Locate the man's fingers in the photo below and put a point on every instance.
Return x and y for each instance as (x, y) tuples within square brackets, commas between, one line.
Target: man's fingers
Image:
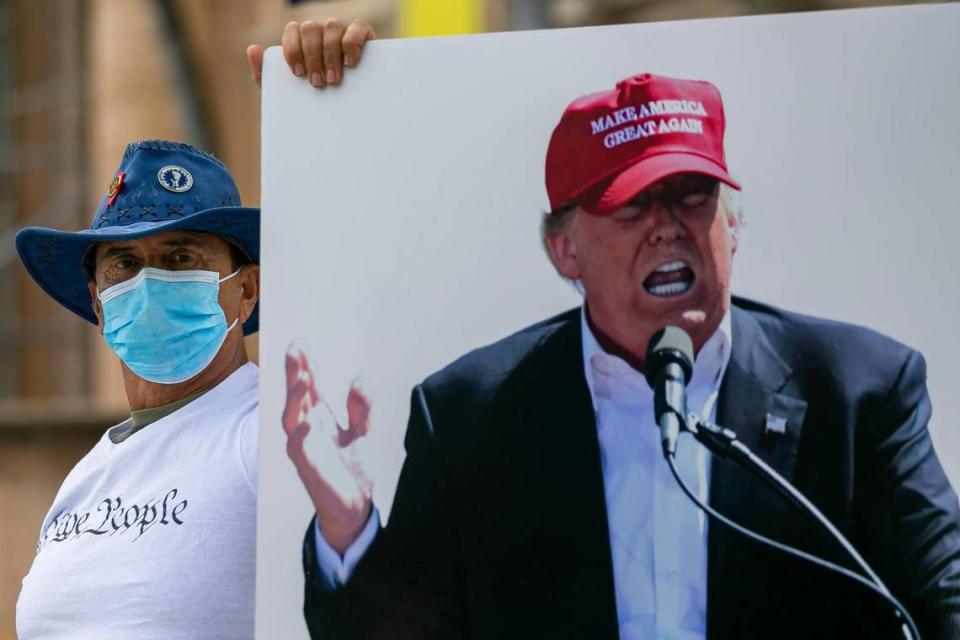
[(306, 372), (333, 30), (356, 34), (295, 439), (255, 57), (296, 406), (292, 49), (311, 41), (358, 409), (318, 51), (358, 415), (291, 365), (297, 367), (299, 371)]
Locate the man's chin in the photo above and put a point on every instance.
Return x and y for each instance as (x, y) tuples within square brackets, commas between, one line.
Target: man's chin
[(686, 316), (699, 323), (695, 321), (694, 317)]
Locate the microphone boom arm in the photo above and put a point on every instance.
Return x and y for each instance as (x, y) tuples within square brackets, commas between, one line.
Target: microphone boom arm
[(724, 443)]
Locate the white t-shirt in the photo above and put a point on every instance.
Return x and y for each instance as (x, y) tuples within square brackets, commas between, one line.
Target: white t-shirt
[(154, 537)]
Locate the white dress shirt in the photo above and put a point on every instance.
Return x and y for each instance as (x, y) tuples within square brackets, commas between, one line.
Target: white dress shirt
[(658, 538)]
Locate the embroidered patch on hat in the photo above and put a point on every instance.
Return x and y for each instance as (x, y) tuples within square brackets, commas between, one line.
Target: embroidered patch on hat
[(174, 178), (115, 185)]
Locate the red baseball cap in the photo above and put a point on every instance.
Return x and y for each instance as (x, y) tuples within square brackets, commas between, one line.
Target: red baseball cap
[(610, 146)]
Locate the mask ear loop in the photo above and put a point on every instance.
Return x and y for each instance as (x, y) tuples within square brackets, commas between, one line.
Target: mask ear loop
[(224, 279)]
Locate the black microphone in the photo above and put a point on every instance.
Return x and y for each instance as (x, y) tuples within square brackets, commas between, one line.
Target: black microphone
[(668, 366)]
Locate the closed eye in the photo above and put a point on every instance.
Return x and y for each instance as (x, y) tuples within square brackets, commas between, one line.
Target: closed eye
[(694, 199), (630, 213)]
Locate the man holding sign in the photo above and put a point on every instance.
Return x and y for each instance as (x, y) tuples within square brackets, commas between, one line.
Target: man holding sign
[(533, 501), (149, 536), (152, 534)]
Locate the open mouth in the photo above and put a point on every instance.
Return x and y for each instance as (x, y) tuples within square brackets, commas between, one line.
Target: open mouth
[(670, 279)]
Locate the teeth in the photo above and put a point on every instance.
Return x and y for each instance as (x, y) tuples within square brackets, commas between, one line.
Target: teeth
[(669, 289), (676, 265)]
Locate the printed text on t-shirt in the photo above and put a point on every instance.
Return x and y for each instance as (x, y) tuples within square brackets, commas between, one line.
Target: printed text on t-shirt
[(112, 516)]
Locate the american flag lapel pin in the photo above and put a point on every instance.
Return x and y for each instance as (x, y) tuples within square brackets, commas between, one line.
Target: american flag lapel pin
[(775, 424)]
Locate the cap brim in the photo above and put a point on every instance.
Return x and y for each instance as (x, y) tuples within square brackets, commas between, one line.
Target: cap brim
[(614, 193), (53, 258)]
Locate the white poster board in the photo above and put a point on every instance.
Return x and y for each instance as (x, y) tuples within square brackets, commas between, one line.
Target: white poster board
[(401, 210)]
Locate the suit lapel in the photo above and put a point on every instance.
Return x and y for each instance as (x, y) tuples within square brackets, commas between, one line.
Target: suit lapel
[(557, 415), (755, 403)]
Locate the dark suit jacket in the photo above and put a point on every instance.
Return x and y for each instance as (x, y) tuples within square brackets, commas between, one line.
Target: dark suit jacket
[(499, 525)]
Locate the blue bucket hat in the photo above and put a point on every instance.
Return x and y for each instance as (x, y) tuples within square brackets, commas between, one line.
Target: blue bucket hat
[(159, 186)]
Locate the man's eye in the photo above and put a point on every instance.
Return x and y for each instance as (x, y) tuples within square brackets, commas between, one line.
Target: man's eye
[(183, 258), (634, 209), (124, 263), (629, 213), (694, 199)]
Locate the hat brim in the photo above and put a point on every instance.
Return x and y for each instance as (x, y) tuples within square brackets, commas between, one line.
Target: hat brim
[(614, 193), (53, 258)]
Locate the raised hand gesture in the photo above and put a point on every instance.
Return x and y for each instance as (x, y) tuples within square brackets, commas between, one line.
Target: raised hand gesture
[(332, 472)]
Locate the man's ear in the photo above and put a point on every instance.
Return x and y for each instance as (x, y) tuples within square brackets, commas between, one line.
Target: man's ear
[(733, 228), (95, 303), (562, 247), (249, 278)]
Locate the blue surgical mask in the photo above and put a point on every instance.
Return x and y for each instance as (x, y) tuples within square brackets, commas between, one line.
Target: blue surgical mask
[(167, 326)]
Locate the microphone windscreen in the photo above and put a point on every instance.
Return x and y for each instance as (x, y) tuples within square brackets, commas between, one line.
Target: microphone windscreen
[(670, 344)]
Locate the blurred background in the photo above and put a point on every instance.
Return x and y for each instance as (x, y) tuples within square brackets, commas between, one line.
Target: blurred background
[(79, 79)]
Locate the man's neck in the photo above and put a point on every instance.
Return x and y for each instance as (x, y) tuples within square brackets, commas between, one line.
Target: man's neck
[(142, 394), (633, 350)]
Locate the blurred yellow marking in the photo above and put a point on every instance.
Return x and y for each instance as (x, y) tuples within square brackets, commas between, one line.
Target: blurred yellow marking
[(440, 17)]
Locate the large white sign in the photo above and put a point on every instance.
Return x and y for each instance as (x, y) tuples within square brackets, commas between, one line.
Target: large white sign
[(401, 210)]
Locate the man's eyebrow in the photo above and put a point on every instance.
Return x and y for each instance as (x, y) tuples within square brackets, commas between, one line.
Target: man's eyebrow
[(186, 241), (189, 240), (115, 250)]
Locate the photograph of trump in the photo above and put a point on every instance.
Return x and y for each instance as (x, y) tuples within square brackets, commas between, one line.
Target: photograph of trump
[(534, 500)]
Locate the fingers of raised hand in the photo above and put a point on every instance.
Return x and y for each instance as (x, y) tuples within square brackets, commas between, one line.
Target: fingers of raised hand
[(350, 439), (311, 42), (297, 407), (358, 410), (255, 58), (356, 34), (295, 439), (358, 415), (292, 49), (306, 374), (319, 51), (291, 365), (298, 368), (302, 394), (333, 30)]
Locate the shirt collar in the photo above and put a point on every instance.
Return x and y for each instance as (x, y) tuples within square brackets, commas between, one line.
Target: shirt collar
[(708, 369)]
